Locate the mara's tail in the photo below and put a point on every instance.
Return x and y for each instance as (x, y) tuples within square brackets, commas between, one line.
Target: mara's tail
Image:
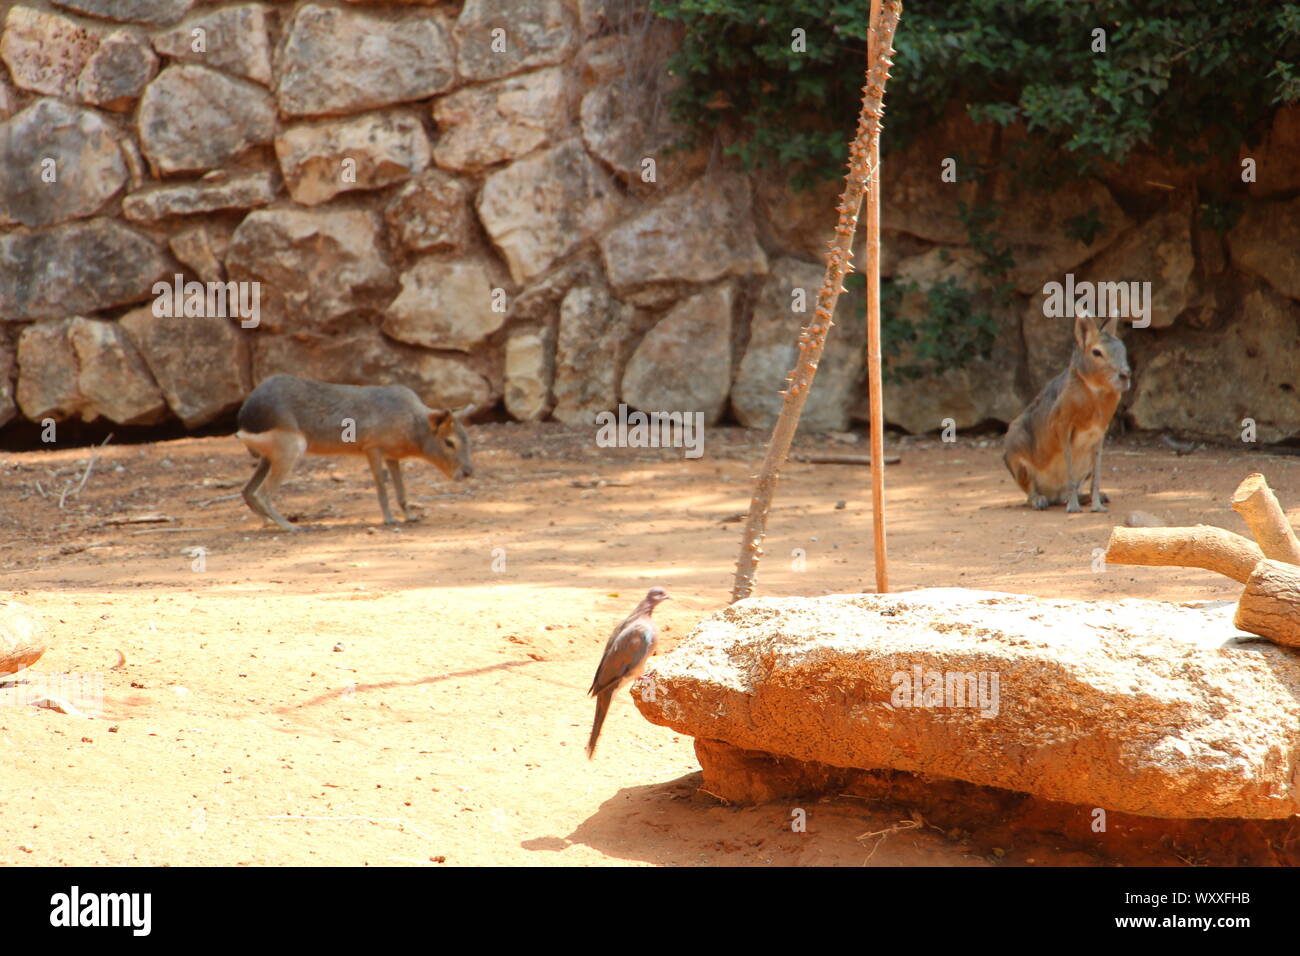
[(602, 708)]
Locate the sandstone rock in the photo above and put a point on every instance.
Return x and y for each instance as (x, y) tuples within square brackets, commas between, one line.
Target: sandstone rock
[(79, 267), (22, 637), (593, 331), (1205, 383), (235, 39), (199, 362), (341, 61), (45, 51), (1034, 226), (432, 213), (1049, 343), (495, 38), (88, 166), (773, 350), (322, 159), (980, 390), (184, 107), (186, 199), (626, 125), (119, 69), (113, 377), (8, 370), (154, 12), (541, 208), (1160, 252), (315, 265), (530, 369), (48, 373), (540, 302), (684, 363), (918, 201), (363, 356), (484, 125), (601, 16), (1210, 729), (445, 305), (1277, 161), (703, 233), (202, 249), (1260, 241)]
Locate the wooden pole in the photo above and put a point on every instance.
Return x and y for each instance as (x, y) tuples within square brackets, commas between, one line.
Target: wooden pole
[(874, 387), (812, 339)]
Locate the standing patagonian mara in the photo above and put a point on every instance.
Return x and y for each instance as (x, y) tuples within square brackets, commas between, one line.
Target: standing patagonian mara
[(625, 657)]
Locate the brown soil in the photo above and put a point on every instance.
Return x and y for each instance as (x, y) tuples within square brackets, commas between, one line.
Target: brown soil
[(357, 694)]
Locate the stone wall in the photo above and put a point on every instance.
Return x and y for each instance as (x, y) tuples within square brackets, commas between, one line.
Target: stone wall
[(479, 200)]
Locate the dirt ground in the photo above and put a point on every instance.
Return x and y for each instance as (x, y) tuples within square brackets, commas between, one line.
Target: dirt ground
[(416, 695)]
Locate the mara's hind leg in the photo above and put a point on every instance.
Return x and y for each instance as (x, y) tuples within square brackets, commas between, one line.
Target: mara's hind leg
[(376, 459), (254, 483), (287, 449), (395, 471)]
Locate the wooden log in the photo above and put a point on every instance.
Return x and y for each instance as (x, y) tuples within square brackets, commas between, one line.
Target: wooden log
[(1204, 546), (1254, 500), (1270, 605), (21, 638)]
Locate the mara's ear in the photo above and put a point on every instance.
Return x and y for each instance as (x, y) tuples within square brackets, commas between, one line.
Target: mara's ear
[(437, 417), (464, 413), (1084, 331), (1110, 326)]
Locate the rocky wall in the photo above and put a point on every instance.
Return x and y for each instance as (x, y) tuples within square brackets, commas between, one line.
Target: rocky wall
[(480, 200)]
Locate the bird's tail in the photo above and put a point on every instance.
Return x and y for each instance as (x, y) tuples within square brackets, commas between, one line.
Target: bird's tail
[(602, 707)]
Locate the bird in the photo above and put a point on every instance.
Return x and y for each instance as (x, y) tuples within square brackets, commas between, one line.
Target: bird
[(625, 657)]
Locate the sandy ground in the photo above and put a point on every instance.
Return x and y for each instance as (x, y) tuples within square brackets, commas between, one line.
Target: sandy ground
[(357, 694)]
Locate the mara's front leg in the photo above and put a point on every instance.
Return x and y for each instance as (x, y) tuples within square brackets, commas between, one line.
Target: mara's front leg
[(1071, 482), (1098, 499)]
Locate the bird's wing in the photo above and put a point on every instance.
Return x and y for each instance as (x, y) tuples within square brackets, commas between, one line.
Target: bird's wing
[(625, 652)]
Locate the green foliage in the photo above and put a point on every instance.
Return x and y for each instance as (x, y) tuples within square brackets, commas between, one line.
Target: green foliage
[(954, 331), (1190, 75)]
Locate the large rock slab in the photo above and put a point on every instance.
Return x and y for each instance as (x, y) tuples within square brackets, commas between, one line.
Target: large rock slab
[(199, 362), (542, 207), (193, 119), (322, 159), (480, 126), (1262, 240), (432, 213), (774, 347), (152, 12), (112, 376), (234, 39), (530, 370), (342, 61), (1206, 384), (114, 77), (445, 305), (498, 37), (1277, 160), (45, 51), (315, 265), (186, 199), (1158, 251), (76, 268), (48, 374), (591, 339), (701, 234), (684, 363), (1137, 706), (88, 164), (22, 637), (362, 355)]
